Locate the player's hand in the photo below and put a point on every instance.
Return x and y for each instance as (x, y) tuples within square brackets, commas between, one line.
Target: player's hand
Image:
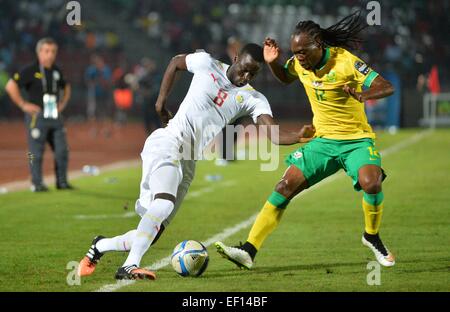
[(271, 50), (306, 133), (30, 108), (165, 115), (352, 92), (61, 107)]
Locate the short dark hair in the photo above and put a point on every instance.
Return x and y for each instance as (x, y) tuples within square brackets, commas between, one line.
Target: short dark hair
[(45, 40), (254, 50)]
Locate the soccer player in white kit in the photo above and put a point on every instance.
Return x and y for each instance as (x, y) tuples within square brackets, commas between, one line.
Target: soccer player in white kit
[(218, 95)]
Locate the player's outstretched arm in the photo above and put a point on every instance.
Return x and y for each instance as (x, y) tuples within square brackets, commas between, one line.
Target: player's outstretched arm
[(178, 63), (13, 91), (379, 88), (282, 137), (271, 55)]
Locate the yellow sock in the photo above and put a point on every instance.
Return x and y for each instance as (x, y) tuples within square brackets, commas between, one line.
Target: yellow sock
[(265, 223), (372, 216)]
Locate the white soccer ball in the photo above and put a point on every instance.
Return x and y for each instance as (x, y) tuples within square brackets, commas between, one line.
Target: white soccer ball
[(190, 258)]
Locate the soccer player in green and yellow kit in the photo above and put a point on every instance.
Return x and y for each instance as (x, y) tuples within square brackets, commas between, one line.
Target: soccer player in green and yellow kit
[(337, 83)]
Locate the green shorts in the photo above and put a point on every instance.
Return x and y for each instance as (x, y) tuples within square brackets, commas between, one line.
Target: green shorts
[(321, 158)]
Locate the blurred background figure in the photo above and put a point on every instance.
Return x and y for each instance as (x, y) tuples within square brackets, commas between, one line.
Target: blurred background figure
[(98, 77), (122, 94), (233, 47), (123, 99), (429, 81), (43, 82), (408, 43), (5, 108), (149, 79)]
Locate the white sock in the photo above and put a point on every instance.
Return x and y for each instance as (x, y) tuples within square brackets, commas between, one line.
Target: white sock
[(147, 229), (117, 243)]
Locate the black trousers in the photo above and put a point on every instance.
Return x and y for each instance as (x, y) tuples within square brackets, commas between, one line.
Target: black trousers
[(39, 132), (151, 119)]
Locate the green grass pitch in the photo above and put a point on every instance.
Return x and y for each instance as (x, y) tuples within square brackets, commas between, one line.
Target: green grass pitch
[(316, 247)]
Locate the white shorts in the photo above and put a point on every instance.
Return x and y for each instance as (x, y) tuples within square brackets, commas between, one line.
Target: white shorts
[(161, 149)]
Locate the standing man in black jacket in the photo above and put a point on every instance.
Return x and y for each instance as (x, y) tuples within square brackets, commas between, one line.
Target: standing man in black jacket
[(43, 81)]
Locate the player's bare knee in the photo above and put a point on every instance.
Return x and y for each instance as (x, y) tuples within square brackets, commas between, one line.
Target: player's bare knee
[(371, 185), (285, 188)]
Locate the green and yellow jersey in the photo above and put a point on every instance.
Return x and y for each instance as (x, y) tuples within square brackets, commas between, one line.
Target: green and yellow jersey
[(337, 115)]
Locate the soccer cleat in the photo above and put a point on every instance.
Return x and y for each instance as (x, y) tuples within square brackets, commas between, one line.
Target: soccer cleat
[(236, 255), (38, 188), (133, 272), (64, 186), (88, 263), (382, 254)]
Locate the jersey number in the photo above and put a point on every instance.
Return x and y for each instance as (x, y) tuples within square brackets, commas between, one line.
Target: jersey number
[(373, 152), (220, 98)]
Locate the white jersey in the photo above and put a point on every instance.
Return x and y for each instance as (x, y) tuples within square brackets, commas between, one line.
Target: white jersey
[(212, 102)]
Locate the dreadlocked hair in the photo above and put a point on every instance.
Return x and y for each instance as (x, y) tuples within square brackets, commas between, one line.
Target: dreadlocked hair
[(344, 34)]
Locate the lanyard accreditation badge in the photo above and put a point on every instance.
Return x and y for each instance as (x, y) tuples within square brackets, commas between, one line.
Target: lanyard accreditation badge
[(49, 98)]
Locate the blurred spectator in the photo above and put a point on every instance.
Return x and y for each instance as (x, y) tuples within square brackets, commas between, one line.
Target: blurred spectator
[(233, 47), (90, 40), (149, 80), (98, 78), (4, 102), (43, 82), (123, 95), (411, 37), (433, 81), (430, 81)]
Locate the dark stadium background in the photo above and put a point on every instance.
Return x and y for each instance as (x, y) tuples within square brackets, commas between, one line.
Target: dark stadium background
[(411, 39), (136, 39)]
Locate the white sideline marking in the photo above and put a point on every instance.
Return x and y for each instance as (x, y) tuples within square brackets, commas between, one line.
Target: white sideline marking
[(166, 261), (74, 174), (197, 193), (411, 140), (230, 231), (105, 216), (209, 189)]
